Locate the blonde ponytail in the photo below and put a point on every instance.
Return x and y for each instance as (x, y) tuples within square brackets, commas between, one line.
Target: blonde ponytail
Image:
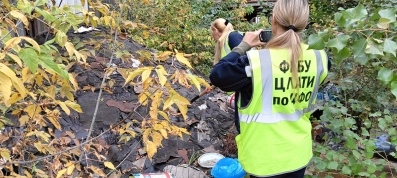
[(292, 15), (225, 28)]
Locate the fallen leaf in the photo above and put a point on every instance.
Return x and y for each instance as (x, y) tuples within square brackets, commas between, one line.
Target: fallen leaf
[(183, 153), (140, 162), (210, 149), (123, 106)]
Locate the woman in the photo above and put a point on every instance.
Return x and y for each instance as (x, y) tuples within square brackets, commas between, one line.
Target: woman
[(277, 87), (226, 39), (225, 36)]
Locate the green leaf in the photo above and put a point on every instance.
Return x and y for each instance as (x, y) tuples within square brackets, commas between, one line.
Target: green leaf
[(333, 165), (339, 19), (392, 131), (390, 46), (385, 75), (341, 55), (30, 58), (356, 13), (388, 13), (362, 59), (316, 41), (48, 63), (358, 47), (364, 132), (383, 23), (356, 154), (394, 88), (321, 165), (346, 170), (349, 122), (339, 42), (373, 48)]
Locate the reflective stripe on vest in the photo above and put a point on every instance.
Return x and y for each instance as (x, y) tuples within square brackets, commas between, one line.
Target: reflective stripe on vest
[(275, 128)]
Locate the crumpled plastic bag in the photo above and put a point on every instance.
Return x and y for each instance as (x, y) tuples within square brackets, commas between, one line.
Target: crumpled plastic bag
[(228, 168)]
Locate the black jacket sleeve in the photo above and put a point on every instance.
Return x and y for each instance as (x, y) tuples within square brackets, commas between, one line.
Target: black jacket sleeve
[(229, 74)]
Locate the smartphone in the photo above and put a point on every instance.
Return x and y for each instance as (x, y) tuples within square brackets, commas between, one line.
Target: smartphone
[(265, 36)]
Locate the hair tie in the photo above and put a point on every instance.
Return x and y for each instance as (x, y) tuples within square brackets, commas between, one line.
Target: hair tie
[(291, 27), (226, 22)]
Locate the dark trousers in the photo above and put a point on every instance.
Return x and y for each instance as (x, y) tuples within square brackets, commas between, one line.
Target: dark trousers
[(297, 174)]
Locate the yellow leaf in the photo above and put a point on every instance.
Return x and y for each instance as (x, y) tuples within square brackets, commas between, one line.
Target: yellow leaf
[(23, 120), (194, 81), (27, 174), (164, 133), (61, 38), (131, 76), (202, 81), (74, 106), (164, 115), (164, 55), (183, 109), (15, 58), (70, 48), (143, 98), (158, 127), (26, 74), (5, 153), (146, 74), (51, 91), (97, 171), (162, 78), (7, 5), (82, 2), (157, 138), (182, 59), (109, 165), (61, 172), (178, 99), (74, 82), (64, 107), (32, 42), (32, 110), (5, 88), (70, 169), (12, 24), (168, 103), (17, 83), (20, 16), (146, 1), (11, 43), (14, 98), (151, 149)]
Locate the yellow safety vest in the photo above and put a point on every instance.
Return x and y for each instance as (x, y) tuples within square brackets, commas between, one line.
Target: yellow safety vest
[(275, 128)]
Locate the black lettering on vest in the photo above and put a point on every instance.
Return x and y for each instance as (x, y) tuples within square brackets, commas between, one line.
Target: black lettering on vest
[(284, 66), (301, 97), (310, 81), (276, 100), (307, 63), (308, 95), (302, 81), (293, 97), (281, 85), (284, 101), (289, 83), (301, 68)]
